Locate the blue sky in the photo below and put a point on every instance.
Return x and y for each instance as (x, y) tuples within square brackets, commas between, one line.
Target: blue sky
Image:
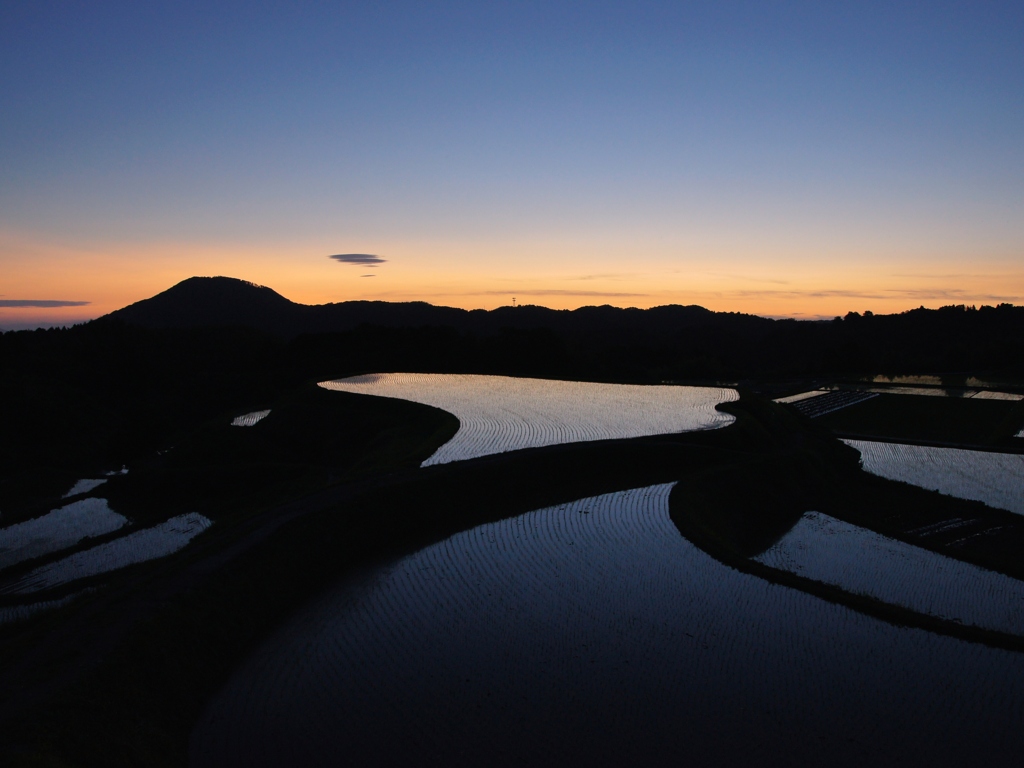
[(754, 156)]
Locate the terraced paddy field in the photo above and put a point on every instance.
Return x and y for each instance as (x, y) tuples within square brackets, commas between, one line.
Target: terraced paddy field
[(863, 562), (592, 633), (250, 419), (996, 479), (59, 529), (138, 547), (500, 413)]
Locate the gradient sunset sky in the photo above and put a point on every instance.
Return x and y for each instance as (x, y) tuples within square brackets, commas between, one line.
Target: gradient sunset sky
[(782, 158)]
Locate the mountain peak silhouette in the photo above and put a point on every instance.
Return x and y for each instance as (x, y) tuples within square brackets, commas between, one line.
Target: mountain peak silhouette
[(213, 301)]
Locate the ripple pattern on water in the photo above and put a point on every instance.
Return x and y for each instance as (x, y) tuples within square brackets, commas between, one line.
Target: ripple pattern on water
[(594, 634), (501, 413), (250, 419), (857, 560), (148, 544), (57, 530), (997, 479)]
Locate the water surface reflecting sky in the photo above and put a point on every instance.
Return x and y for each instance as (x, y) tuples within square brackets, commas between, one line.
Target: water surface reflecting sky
[(593, 634)]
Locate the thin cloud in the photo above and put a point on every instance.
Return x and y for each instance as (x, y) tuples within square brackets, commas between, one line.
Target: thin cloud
[(954, 294), (41, 303), (796, 316), (358, 259), (574, 278), (555, 292), (605, 276), (932, 276), (814, 294), (943, 294), (773, 281), (367, 275)]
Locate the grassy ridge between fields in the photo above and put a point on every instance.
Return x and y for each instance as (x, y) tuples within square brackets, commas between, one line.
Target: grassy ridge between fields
[(138, 704)]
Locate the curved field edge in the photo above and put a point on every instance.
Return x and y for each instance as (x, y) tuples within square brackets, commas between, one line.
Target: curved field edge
[(498, 414), (138, 706), (996, 479), (711, 511), (822, 548)]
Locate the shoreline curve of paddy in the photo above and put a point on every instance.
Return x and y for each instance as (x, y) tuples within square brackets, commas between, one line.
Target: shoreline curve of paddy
[(498, 414)]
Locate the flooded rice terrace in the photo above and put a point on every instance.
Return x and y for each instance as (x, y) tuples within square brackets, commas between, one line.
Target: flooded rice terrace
[(593, 633), (501, 413), (863, 562), (147, 544), (997, 479), (57, 530)]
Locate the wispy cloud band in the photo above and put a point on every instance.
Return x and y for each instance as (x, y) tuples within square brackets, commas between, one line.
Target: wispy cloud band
[(941, 294), (557, 292), (41, 303)]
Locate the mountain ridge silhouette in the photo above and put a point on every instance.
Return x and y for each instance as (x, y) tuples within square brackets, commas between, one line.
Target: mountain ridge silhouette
[(605, 341), (227, 301)]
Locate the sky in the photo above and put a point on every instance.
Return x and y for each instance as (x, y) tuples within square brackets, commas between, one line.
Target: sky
[(789, 159)]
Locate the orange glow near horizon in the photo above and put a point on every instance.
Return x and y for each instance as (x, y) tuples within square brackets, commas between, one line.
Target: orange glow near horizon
[(561, 156), (478, 275)]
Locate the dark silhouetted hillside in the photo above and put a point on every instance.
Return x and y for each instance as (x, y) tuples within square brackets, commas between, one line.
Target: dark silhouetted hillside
[(611, 343), (214, 302), (224, 301)]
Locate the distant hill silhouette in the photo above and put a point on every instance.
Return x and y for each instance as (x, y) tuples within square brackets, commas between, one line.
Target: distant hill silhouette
[(605, 342), (214, 301), (224, 301), (598, 343)]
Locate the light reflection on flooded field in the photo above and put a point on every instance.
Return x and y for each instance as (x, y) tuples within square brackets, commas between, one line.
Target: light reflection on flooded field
[(997, 479), (147, 544), (503, 413), (863, 562), (57, 530), (593, 633)]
